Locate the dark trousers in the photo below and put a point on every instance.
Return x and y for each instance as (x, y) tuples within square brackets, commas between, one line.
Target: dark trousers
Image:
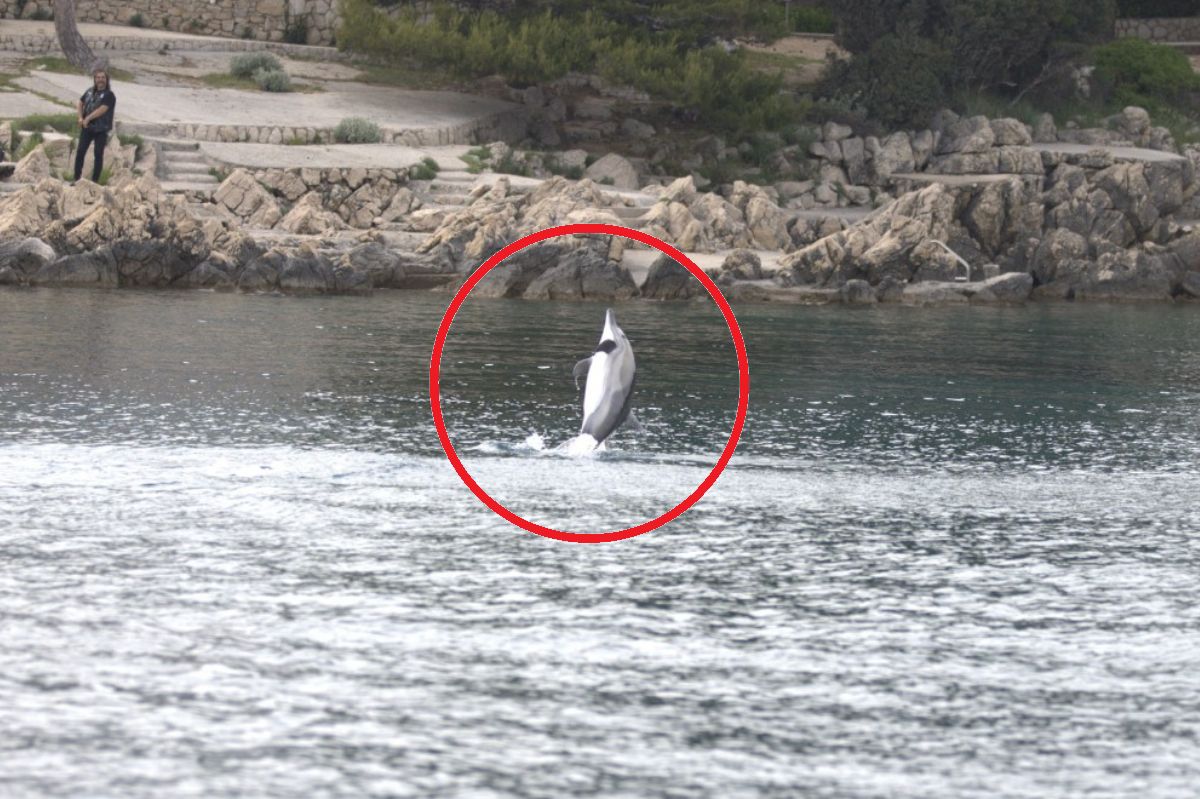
[(86, 137)]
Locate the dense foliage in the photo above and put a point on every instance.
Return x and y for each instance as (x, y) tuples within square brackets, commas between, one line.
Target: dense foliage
[(910, 55), (714, 85), (1137, 72), (1158, 8), (689, 20)]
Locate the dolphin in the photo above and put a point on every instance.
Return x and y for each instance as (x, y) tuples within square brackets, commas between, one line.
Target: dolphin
[(611, 373)]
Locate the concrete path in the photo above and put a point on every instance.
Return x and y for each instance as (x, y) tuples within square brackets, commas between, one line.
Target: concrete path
[(396, 109), (1119, 153), (331, 156)]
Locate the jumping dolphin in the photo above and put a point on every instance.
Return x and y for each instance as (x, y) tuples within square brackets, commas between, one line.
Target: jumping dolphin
[(611, 373)]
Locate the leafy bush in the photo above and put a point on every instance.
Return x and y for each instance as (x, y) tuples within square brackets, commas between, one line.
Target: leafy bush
[(247, 32), (811, 19), (527, 48), (273, 80), (136, 140), (913, 54), (246, 64), (1137, 71), (63, 123), (40, 14), (1158, 8), (29, 144), (137, 20), (427, 169), (356, 130)]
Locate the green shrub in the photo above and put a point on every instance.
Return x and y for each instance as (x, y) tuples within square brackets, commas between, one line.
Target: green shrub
[(247, 32), (40, 14), (246, 64), (273, 80), (425, 170), (136, 140), (712, 85), (811, 19), (29, 144), (1137, 72), (1158, 8), (509, 165), (137, 20), (63, 123), (356, 130), (901, 80)]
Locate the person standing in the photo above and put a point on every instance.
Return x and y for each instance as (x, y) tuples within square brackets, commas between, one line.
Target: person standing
[(96, 108)]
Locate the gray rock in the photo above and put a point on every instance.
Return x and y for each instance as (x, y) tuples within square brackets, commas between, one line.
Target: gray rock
[(1044, 129), (1059, 247), (857, 292), (637, 130), (741, 265), (218, 271), (669, 280), (26, 255), (927, 294), (1133, 123), (1011, 132), (616, 169), (854, 156), (1016, 160), (96, 268), (973, 135), (895, 155), (1190, 284), (923, 145), (836, 132), (1013, 287)]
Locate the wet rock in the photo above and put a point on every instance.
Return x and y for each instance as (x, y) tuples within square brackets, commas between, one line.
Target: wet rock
[(1190, 284), (858, 292), (218, 272), (741, 265), (25, 256), (670, 280), (95, 268)]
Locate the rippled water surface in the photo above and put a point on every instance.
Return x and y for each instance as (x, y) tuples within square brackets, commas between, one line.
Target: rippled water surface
[(955, 554)]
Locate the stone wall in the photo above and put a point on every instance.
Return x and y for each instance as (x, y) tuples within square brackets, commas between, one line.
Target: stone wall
[(1183, 29), (258, 19)]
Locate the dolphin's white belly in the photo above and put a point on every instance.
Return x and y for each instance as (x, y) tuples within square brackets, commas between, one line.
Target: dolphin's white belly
[(599, 383)]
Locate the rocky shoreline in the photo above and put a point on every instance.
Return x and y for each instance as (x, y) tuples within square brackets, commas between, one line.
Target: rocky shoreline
[(973, 212)]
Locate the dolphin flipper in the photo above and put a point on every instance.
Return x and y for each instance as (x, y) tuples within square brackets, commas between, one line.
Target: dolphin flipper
[(634, 423), (581, 369)]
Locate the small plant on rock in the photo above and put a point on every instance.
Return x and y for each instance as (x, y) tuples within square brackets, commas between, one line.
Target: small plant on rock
[(245, 65), (427, 169), (273, 80), (356, 130), (137, 21)]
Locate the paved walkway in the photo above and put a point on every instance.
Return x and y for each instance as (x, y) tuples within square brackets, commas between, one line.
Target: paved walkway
[(395, 110)]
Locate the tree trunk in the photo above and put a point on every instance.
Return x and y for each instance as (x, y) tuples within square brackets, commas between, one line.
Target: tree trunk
[(73, 46)]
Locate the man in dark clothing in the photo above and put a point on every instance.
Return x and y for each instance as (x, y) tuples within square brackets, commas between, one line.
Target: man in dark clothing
[(96, 108)]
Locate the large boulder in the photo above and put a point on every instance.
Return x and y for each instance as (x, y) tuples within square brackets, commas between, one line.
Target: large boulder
[(244, 197), (308, 217), (368, 202), (96, 268), (583, 273), (614, 170), (29, 210), (669, 280), (33, 168), (895, 154), (25, 256), (967, 135), (1011, 132)]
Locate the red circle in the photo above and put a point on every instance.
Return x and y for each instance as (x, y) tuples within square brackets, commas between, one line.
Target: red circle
[(435, 370)]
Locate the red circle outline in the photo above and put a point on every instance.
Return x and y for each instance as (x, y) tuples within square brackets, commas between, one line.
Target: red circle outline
[(435, 369)]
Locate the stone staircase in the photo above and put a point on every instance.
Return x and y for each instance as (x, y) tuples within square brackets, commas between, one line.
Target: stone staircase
[(182, 168)]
